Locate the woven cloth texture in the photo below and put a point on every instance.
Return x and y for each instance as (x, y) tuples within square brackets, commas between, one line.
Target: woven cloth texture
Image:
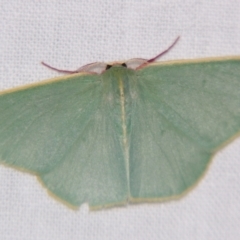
[(69, 34)]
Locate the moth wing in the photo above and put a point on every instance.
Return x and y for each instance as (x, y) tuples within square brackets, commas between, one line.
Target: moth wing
[(182, 113), (63, 132)]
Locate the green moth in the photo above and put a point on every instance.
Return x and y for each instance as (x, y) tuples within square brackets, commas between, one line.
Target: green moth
[(135, 132)]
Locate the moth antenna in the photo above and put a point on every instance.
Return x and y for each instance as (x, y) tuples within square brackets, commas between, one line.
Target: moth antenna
[(164, 52), (58, 70)]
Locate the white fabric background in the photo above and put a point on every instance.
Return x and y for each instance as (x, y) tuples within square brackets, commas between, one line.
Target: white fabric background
[(68, 34)]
